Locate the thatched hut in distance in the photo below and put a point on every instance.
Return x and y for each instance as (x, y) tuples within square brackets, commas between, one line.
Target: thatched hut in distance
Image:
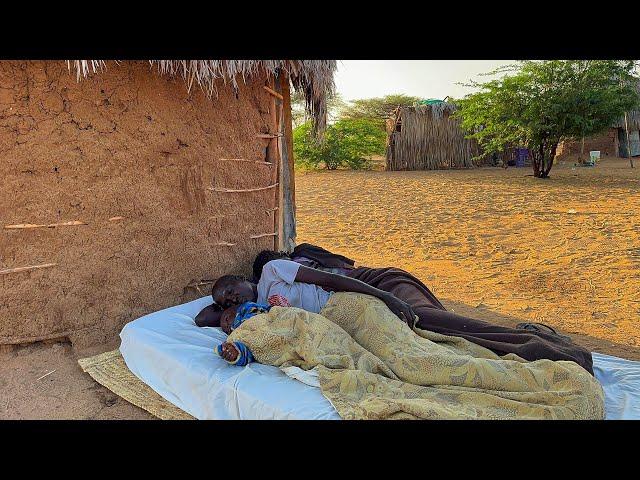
[(426, 137), (126, 187)]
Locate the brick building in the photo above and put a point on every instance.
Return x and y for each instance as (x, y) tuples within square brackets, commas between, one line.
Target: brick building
[(612, 142)]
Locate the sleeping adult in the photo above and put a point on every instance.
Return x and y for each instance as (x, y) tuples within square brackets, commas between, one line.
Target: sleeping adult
[(310, 256), (302, 287), (404, 294), (527, 340)]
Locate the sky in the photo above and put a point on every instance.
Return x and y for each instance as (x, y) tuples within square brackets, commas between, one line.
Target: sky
[(421, 78)]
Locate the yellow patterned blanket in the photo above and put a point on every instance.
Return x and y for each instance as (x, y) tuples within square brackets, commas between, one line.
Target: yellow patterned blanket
[(372, 366)]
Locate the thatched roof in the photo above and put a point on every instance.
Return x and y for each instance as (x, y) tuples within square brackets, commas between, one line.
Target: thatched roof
[(426, 137), (313, 77), (633, 117), (436, 110)]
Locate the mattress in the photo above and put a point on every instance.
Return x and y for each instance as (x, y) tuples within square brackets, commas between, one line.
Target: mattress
[(176, 358)]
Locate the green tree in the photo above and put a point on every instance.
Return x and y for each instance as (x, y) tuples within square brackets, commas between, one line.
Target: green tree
[(347, 143), (377, 109), (537, 104)]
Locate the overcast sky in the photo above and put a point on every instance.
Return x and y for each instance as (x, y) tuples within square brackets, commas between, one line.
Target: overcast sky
[(421, 78)]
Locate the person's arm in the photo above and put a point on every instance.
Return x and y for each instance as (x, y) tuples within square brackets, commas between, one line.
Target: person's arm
[(235, 353), (340, 283), (209, 317)]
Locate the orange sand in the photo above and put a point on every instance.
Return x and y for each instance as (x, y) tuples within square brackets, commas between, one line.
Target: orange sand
[(498, 240)]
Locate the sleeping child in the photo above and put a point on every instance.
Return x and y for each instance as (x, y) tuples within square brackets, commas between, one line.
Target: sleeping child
[(228, 320), (237, 353)]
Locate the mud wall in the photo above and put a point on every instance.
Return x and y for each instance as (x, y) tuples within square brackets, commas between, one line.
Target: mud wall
[(606, 142), (131, 154)]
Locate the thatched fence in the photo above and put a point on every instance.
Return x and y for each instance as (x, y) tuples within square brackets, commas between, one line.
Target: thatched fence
[(427, 137)]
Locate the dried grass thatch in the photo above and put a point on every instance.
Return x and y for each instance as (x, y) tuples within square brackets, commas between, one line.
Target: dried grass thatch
[(313, 77), (633, 117), (426, 137)]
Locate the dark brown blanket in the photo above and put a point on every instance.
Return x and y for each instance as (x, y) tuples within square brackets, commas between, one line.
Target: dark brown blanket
[(500, 340), (325, 258)]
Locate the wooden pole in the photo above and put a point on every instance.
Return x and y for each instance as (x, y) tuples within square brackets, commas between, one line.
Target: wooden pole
[(626, 128), (288, 168), (281, 166), (274, 156)]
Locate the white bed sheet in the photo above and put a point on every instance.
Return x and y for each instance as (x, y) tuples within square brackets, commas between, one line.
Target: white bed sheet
[(168, 352)]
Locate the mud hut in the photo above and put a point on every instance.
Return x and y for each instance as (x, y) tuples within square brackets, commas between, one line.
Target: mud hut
[(612, 141), (128, 186), (427, 137)]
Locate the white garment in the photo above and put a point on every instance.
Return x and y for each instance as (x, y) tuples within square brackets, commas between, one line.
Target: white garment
[(278, 278)]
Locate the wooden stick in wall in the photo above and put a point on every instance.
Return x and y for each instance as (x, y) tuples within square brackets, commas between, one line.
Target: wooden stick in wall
[(231, 190), (20, 226), (244, 160), (26, 269), (273, 92), (19, 340), (268, 135), (202, 282), (264, 235)]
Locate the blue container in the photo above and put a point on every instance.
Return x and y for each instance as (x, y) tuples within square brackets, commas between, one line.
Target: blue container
[(521, 156)]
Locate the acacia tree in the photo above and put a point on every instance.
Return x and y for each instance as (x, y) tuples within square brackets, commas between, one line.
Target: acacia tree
[(537, 104), (377, 109)]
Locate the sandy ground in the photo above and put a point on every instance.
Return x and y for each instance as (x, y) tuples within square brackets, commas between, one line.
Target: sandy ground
[(67, 393), (564, 251), (491, 243)]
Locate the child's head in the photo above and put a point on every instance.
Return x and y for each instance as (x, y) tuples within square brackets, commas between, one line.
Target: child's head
[(227, 318), (237, 314)]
